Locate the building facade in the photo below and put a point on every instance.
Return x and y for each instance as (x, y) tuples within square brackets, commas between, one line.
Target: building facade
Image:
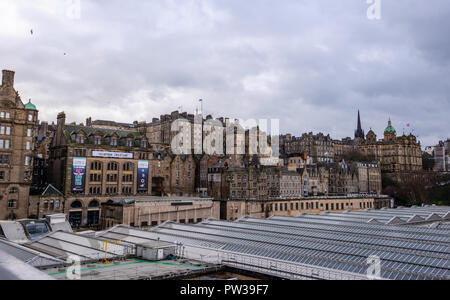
[(91, 165), (18, 125), (396, 154), (442, 156)]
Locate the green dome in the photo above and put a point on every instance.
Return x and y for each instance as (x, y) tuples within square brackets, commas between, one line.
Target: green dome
[(389, 128), (30, 105)]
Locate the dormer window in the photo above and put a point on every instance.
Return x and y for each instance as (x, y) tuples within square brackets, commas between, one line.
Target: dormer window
[(129, 143), (113, 142), (98, 140), (80, 139), (144, 144)]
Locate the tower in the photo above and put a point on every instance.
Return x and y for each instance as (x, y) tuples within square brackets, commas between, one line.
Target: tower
[(17, 131), (359, 133)]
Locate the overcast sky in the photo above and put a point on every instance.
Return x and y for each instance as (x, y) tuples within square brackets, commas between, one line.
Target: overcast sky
[(312, 64)]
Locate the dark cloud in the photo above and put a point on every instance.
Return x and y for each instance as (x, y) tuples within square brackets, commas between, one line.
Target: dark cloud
[(312, 64)]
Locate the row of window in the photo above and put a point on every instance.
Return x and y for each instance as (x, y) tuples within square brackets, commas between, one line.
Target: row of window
[(315, 205), (80, 139), (182, 221), (111, 166), (7, 115)]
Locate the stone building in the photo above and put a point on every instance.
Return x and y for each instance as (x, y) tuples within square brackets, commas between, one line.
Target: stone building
[(315, 180), (43, 140), (396, 154), (235, 209), (91, 165), (442, 156), (145, 212), (182, 175), (318, 146), (18, 125), (358, 178), (343, 179)]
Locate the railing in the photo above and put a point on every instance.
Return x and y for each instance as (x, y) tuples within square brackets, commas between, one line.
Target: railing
[(268, 266)]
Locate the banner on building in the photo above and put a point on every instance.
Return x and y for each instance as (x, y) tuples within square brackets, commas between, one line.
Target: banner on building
[(78, 174), (142, 176), (112, 154)]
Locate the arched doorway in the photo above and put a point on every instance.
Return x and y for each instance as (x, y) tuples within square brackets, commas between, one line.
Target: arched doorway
[(93, 216), (76, 213)]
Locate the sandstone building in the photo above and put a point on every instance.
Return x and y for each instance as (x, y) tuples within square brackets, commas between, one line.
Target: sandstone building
[(18, 124), (396, 154), (91, 165)]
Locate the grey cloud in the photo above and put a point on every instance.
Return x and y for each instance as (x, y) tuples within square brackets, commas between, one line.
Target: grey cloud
[(311, 64)]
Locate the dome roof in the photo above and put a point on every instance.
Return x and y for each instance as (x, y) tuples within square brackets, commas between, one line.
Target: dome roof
[(389, 128), (30, 105)]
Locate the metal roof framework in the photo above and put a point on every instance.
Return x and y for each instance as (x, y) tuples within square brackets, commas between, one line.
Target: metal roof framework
[(311, 241)]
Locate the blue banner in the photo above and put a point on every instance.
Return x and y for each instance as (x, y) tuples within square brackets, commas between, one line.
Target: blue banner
[(142, 176), (78, 175)]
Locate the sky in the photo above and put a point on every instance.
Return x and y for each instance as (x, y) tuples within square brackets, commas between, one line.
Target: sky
[(309, 63)]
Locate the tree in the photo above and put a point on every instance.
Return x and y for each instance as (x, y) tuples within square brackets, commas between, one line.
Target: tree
[(428, 162)]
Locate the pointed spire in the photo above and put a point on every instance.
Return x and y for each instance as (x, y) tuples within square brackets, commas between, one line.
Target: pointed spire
[(359, 133), (359, 121)]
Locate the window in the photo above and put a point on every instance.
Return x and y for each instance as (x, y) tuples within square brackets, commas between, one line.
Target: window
[(27, 160), (127, 190), (94, 203), (95, 190), (128, 167), (98, 141), (30, 117), (4, 159), (28, 146), (76, 204), (97, 166), (79, 152), (13, 190), (95, 177), (129, 143), (29, 132), (12, 203), (112, 166), (113, 142), (2, 175), (80, 139)]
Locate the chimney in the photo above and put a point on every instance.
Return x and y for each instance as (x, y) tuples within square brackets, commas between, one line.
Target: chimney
[(61, 119), (8, 78)]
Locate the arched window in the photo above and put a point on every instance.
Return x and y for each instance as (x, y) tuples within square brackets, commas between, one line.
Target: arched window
[(96, 165), (94, 203), (13, 190), (76, 204), (112, 166), (128, 167)]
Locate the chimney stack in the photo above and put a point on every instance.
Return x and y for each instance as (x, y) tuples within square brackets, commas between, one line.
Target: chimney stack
[(8, 78)]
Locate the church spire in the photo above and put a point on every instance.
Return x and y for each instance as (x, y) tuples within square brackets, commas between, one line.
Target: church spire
[(359, 133)]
